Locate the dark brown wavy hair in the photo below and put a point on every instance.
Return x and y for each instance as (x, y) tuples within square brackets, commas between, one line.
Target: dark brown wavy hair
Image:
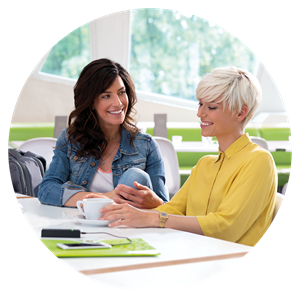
[(83, 123)]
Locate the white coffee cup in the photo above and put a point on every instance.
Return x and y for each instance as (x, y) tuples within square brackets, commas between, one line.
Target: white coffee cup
[(91, 207), (176, 139)]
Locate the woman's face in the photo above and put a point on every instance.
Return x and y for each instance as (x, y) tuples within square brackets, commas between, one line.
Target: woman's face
[(111, 106), (215, 121)]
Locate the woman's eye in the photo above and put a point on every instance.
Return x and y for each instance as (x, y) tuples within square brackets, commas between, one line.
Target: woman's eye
[(209, 107), (105, 96)]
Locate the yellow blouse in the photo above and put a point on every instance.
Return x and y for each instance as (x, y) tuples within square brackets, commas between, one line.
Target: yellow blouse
[(232, 194)]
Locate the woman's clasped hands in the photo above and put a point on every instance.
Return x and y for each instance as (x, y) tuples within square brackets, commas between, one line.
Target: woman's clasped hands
[(128, 206), (141, 197)]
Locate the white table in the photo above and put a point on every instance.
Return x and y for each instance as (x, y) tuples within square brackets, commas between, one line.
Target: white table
[(180, 251), (214, 146)]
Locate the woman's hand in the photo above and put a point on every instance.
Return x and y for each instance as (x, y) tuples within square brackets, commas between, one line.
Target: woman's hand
[(128, 215), (143, 197), (110, 195)]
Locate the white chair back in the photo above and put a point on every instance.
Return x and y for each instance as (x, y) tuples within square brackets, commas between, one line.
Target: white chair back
[(278, 201), (259, 141), (43, 146), (171, 164), (284, 188)]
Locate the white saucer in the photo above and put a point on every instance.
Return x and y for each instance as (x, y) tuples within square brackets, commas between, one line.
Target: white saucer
[(82, 220)]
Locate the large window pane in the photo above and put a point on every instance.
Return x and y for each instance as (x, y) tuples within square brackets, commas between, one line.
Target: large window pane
[(68, 57), (170, 52)]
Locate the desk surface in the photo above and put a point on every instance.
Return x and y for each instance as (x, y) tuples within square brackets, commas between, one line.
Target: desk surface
[(177, 248), (214, 146)]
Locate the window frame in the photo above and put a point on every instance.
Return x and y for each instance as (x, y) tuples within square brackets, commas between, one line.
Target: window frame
[(116, 38)]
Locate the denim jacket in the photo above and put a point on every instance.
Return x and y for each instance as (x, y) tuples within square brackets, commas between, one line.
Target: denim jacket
[(69, 174)]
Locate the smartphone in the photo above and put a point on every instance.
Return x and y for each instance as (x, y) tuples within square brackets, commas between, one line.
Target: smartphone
[(83, 246)]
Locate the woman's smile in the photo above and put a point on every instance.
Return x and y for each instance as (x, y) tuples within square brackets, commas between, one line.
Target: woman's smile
[(205, 124), (116, 112)]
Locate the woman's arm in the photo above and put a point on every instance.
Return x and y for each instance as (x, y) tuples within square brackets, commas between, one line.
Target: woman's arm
[(184, 223), (55, 181), (133, 217), (56, 189), (248, 203)]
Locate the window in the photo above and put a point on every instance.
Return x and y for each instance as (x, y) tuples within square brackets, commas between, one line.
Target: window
[(170, 52), (68, 57)]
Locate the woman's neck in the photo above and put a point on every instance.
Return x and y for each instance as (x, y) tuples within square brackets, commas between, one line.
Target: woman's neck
[(112, 133), (225, 142)]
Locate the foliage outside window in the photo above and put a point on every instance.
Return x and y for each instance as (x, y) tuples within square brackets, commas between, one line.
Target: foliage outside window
[(68, 57), (170, 52)]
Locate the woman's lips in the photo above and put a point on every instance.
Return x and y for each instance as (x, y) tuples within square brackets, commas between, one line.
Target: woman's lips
[(116, 112), (205, 124)]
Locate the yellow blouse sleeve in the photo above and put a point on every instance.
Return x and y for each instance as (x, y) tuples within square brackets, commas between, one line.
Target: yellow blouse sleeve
[(177, 205), (250, 196)]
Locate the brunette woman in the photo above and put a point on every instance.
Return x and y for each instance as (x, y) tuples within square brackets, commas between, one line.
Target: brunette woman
[(102, 147)]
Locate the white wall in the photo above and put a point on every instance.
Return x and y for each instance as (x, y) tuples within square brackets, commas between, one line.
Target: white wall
[(271, 99), (114, 30), (41, 101)]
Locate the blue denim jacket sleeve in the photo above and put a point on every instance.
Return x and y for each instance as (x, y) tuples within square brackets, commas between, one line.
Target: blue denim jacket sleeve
[(55, 188)]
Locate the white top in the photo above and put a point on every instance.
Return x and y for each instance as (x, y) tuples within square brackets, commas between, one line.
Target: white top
[(102, 182)]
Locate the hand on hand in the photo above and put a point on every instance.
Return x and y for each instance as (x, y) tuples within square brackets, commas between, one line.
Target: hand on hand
[(95, 195), (109, 195), (128, 215), (142, 197)]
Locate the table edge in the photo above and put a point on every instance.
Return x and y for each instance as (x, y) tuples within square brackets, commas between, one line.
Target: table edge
[(162, 264)]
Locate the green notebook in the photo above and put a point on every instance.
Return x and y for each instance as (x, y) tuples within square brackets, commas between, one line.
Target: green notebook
[(138, 247)]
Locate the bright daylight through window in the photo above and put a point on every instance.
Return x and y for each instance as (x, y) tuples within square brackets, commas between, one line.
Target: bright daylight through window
[(170, 52), (69, 56)]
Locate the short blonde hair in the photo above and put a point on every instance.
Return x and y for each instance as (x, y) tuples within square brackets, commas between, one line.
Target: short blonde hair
[(234, 87)]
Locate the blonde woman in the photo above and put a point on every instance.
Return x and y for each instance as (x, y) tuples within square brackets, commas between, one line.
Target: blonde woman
[(228, 196)]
